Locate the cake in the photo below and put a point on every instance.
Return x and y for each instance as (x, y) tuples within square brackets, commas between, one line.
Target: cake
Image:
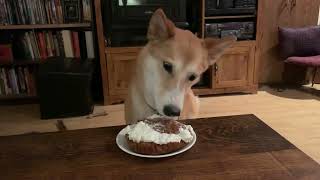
[(158, 136)]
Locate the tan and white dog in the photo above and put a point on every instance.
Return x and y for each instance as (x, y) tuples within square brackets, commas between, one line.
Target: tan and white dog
[(166, 69)]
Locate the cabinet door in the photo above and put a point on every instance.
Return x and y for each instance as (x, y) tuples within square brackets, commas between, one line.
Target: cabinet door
[(120, 66), (234, 68)]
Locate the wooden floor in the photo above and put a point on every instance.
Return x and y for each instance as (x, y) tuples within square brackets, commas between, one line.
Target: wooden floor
[(292, 113)]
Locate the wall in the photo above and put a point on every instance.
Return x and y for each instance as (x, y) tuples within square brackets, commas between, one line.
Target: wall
[(272, 14)]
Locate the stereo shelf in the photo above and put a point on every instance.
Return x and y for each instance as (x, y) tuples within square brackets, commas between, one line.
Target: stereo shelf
[(230, 17)]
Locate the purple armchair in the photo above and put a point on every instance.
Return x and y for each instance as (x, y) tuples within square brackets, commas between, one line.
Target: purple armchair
[(301, 46)]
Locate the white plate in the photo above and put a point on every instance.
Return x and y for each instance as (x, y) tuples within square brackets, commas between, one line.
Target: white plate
[(123, 145)]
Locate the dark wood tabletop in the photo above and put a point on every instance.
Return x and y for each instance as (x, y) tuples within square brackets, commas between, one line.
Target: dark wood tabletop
[(233, 147)]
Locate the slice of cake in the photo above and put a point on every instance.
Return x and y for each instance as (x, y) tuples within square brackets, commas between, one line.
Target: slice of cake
[(158, 136)]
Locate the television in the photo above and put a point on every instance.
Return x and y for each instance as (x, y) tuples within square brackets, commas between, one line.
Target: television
[(126, 21)]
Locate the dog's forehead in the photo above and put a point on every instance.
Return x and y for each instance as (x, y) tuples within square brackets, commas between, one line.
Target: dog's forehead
[(187, 45), (189, 50)]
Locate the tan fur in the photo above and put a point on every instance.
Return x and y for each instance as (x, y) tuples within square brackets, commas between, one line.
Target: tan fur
[(152, 87)]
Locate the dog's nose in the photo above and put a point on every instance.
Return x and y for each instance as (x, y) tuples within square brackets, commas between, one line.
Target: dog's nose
[(171, 110)]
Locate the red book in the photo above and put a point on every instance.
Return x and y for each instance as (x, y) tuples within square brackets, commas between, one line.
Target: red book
[(75, 44), (42, 45), (6, 53)]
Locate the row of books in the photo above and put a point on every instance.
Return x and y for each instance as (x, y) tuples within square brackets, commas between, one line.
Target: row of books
[(17, 81), (44, 11), (47, 44)]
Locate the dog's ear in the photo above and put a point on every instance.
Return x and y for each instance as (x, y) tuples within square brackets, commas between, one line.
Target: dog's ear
[(217, 46), (160, 28)]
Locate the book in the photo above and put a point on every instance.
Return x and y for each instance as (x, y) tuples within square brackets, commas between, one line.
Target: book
[(89, 44), (67, 43), (56, 45), (54, 11), (82, 43), (28, 39), (6, 55), (86, 7), (59, 11), (47, 8), (7, 83), (61, 44), (34, 45), (24, 44), (21, 82), (48, 44), (75, 44), (25, 72), (71, 11), (13, 81), (2, 83), (31, 82), (42, 45), (3, 12)]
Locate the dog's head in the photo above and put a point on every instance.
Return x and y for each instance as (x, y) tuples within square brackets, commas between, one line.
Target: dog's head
[(177, 59)]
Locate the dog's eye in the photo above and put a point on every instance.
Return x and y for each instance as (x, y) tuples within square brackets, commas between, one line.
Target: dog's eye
[(192, 77), (168, 67)]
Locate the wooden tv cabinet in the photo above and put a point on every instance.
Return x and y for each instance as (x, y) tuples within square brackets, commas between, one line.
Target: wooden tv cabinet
[(234, 73)]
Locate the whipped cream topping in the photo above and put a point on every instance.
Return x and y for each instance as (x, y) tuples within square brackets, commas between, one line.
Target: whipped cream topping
[(142, 132)]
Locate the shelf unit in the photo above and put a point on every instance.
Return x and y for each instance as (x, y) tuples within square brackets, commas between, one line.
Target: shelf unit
[(229, 17), (22, 98), (21, 62), (117, 63), (45, 26)]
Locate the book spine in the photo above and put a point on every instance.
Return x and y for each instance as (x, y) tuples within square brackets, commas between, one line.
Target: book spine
[(86, 6), (82, 43), (75, 43), (30, 6), (21, 12), (3, 19), (46, 5), (61, 44), (2, 82), (60, 11), (67, 43), (29, 44), (36, 8), (54, 12), (25, 12), (7, 12), (43, 12), (25, 71), (13, 81), (31, 80), (34, 45), (6, 55), (51, 42), (20, 81), (25, 47), (89, 44), (42, 45), (8, 82), (48, 44), (56, 45)]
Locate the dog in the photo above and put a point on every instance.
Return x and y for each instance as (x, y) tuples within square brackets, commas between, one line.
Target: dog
[(167, 67)]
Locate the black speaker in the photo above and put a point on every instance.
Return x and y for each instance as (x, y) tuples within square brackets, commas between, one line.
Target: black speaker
[(64, 87)]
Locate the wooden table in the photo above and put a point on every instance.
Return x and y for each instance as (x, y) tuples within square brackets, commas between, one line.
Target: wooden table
[(235, 147)]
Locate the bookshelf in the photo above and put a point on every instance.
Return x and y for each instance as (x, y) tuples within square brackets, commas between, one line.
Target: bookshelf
[(31, 34), (44, 26)]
